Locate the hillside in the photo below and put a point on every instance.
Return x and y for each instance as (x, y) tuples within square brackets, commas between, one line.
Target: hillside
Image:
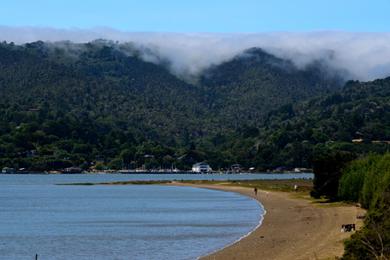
[(101, 82), (73, 109), (355, 119), (76, 104), (253, 83)]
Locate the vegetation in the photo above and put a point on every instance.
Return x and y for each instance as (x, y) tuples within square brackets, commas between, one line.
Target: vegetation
[(365, 181), (327, 173), (368, 181), (249, 86), (354, 119), (100, 105)]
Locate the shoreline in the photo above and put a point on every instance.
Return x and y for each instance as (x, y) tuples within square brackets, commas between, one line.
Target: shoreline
[(291, 228), (242, 237)]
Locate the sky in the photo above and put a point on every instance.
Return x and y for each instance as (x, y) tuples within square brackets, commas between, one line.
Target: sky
[(223, 16)]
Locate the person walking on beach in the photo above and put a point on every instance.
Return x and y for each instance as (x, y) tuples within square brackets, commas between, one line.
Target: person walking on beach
[(255, 190)]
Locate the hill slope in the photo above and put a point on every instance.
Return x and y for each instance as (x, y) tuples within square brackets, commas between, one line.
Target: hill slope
[(73, 104), (245, 88), (355, 119), (96, 104)]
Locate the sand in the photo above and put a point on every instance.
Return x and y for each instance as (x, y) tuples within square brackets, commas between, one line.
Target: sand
[(293, 228)]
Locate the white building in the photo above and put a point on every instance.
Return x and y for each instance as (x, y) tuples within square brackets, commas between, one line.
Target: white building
[(201, 167)]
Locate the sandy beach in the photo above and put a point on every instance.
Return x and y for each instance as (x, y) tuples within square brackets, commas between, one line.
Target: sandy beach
[(293, 228)]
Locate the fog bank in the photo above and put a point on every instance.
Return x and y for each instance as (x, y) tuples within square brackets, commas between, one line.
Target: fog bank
[(366, 56)]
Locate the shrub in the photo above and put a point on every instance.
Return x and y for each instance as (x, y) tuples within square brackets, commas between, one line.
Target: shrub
[(368, 181)]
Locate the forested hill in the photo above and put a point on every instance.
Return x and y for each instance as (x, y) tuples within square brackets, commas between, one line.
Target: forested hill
[(101, 84), (72, 106), (355, 119), (245, 88), (77, 104)]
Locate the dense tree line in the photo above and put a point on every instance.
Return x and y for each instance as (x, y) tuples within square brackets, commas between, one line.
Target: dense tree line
[(367, 181)]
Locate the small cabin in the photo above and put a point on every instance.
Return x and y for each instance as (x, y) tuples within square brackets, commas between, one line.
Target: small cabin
[(201, 167)]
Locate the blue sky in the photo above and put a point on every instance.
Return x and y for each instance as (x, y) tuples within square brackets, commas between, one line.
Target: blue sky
[(201, 15)]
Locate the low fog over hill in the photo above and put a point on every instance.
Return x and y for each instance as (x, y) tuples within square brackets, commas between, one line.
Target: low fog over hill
[(365, 56)]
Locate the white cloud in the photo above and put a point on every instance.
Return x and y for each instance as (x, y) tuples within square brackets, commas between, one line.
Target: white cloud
[(365, 55)]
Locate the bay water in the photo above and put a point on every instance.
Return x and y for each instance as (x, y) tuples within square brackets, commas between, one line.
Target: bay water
[(117, 222)]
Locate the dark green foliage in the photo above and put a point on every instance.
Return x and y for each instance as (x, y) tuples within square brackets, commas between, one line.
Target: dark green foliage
[(293, 133), (352, 180), (368, 178), (327, 173), (368, 181), (99, 103), (91, 102), (247, 87), (67, 103)]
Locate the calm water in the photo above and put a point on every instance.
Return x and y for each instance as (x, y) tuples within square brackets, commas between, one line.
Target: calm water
[(97, 178), (117, 222)]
